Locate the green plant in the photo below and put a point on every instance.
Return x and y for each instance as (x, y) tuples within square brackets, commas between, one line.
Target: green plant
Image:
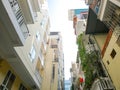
[(72, 87), (87, 62)]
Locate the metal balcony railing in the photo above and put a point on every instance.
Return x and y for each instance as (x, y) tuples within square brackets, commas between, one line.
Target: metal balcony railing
[(112, 16), (19, 16), (117, 31)]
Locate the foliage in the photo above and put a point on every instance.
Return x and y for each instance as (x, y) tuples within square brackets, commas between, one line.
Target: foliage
[(87, 62), (72, 87)]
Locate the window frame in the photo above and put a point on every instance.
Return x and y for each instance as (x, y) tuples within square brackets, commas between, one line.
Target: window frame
[(38, 36), (118, 41), (113, 54), (53, 71), (22, 87), (32, 53), (107, 62), (8, 81)]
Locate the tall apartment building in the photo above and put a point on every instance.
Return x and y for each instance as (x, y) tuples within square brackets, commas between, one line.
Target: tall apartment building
[(104, 22), (80, 27), (79, 20), (58, 61), (24, 29), (54, 65)]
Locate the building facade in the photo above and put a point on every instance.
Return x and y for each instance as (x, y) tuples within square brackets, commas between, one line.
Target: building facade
[(80, 27), (54, 65), (106, 31), (24, 26), (58, 61), (79, 18)]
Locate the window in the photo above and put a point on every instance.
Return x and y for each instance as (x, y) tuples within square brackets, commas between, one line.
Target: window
[(8, 81), (42, 62), (38, 36), (118, 41), (56, 59), (108, 62), (53, 72), (32, 53), (41, 57), (54, 46), (42, 23), (113, 53), (22, 87)]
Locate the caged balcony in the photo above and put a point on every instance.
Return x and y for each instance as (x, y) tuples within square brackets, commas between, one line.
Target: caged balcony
[(13, 21), (112, 15), (19, 16)]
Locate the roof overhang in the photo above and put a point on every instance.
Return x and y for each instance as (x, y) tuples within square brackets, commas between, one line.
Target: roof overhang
[(94, 25)]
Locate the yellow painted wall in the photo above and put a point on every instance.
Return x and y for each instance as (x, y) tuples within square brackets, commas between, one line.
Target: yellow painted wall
[(46, 82), (114, 66), (4, 68), (100, 40), (54, 84), (39, 67), (23, 51)]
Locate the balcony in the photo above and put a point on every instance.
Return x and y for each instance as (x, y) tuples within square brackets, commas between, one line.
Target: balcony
[(12, 18), (103, 83), (89, 48), (13, 28), (42, 1), (88, 2), (44, 42), (36, 4), (19, 16), (29, 10), (41, 58), (43, 22), (44, 47), (38, 77), (111, 16), (80, 27), (54, 43), (47, 29), (56, 55)]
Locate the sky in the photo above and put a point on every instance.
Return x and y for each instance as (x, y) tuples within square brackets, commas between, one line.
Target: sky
[(58, 12)]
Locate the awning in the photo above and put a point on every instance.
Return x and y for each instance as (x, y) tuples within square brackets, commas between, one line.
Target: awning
[(94, 25)]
